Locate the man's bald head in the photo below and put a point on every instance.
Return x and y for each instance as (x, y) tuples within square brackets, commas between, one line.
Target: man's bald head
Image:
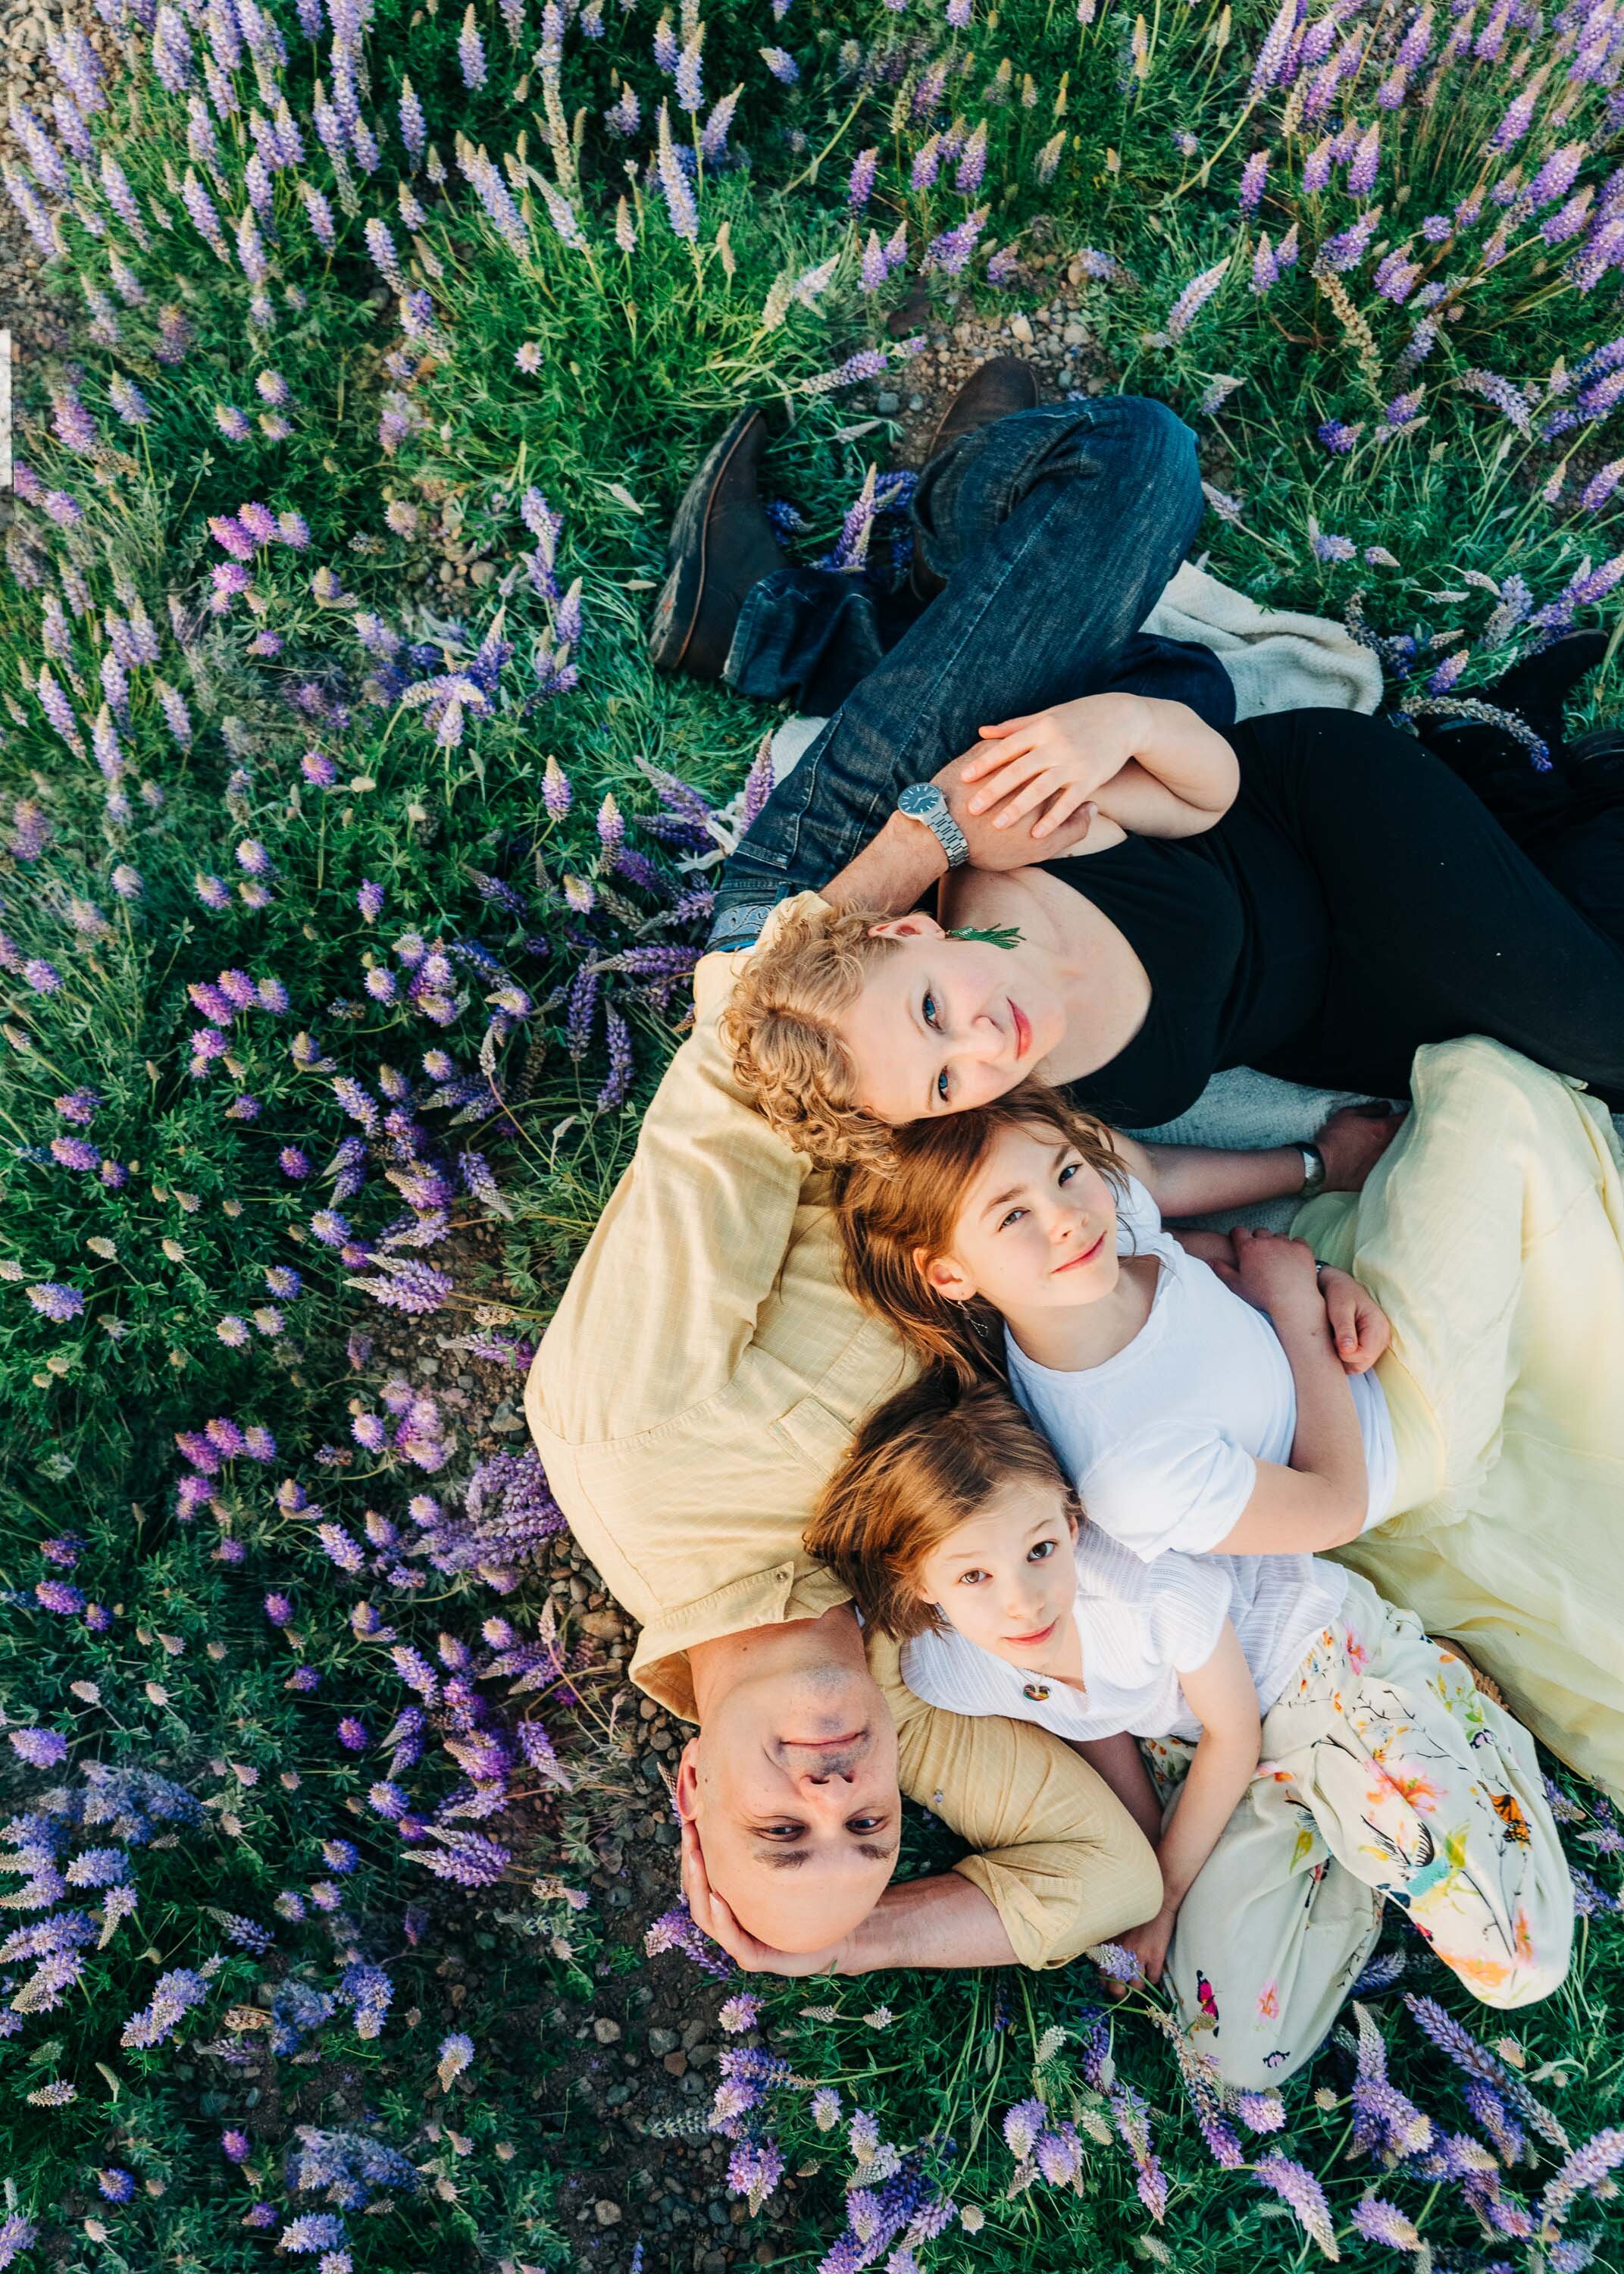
[(791, 1787)]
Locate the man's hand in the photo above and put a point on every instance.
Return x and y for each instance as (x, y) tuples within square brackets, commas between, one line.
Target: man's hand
[(1359, 1325), (1278, 1274), (1352, 1141), (712, 1916), (1048, 765)]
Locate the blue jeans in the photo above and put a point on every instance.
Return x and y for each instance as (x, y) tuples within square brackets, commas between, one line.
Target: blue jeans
[(1056, 531)]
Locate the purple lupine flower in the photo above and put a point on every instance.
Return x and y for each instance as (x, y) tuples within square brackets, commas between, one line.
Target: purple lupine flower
[(681, 209), (470, 52), (950, 253), (53, 1300), (1272, 53), (369, 900), (1586, 2168), (1402, 412), (351, 1734), (117, 2186), (41, 1749), (1254, 175), (622, 118), (1507, 398), (1348, 246), (414, 127), (689, 89), (860, 187), (1365, 163), (1337, 438), (782, 64), (1297, 2188), (618, 1081), (1195, 297), (972, 164), (1378, 2221), (1329, 547)]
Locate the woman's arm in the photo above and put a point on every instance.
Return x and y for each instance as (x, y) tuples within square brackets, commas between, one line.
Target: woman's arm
[(1323, 1499), (1154, 768), (1121, 1764), (1194, 1179), (1224, 1698), (1150, 767)]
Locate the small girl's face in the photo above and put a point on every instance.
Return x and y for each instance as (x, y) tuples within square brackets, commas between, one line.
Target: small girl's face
[(1036, 1233), (1006, 1578)]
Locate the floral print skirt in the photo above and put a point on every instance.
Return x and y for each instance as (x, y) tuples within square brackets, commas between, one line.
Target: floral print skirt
[(1386, 1777)]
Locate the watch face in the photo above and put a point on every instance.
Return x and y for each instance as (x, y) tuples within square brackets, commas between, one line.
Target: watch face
[(920, 799)]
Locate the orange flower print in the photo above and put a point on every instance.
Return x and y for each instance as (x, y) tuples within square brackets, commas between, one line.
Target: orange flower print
[(1420, 1792), (1358, 1656), (1524, 1940), (1268, 2001)]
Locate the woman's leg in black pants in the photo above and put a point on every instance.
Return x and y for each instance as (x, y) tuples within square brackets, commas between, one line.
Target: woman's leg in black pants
[(1440, 925)]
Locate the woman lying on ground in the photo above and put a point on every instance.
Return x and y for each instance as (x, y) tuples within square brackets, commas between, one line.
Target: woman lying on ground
[(1314, 893), (1025, 1239), (1384, 1777)]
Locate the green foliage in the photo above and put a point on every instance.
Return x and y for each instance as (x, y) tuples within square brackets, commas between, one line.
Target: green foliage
[(459, 443)]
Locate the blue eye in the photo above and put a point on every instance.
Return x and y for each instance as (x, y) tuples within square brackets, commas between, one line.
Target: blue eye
[(929, 1008), (942, 1085), (1069, 1171), (1014, 1217)]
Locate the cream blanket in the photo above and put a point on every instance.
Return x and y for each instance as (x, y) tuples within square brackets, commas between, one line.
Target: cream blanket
[(1492, 1233)]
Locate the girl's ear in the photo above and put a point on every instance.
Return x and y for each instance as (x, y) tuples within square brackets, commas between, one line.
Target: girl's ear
[(917, 926), (943, 1277)]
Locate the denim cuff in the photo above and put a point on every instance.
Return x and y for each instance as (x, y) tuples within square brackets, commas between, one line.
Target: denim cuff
[(738, 925)]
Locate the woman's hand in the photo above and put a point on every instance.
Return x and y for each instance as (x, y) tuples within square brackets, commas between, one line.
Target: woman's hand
[(713, 1916), (1050, 763), (1359, 1324), (1352, 1141)]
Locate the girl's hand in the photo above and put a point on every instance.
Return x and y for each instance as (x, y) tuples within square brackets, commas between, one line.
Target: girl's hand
[(1278, 1275), (1149, 1944), (1050, 763), (1359, 1324)]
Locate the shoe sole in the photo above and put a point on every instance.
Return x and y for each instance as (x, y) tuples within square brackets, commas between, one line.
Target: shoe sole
[(691, 570)]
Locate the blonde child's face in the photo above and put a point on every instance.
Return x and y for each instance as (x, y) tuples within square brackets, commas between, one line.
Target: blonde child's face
[(1006, 1578), (1036, 1232)]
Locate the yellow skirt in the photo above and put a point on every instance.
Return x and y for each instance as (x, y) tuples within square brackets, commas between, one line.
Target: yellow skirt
[(1492, 1235)]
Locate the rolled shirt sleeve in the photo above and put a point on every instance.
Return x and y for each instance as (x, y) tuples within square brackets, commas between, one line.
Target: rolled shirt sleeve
[(1061, 1860)]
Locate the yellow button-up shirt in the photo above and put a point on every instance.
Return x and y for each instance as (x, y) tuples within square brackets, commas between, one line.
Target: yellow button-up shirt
[(700, 1379)]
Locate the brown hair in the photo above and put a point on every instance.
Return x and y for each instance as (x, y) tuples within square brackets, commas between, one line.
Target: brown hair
[(929, 1459), (886, 1215), (782, 1027)]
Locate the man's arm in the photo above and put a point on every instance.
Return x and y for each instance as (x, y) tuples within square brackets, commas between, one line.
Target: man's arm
[(1060, 1860)]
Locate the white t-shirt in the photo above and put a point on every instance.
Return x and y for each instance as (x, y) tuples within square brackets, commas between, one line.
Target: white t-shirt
[(1162, 1442), (1141, 1624)]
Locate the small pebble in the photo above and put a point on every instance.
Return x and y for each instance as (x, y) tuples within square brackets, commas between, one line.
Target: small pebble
[(606, 2032)]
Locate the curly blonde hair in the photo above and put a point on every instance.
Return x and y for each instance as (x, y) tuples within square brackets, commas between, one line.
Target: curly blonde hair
[(782, 1027)]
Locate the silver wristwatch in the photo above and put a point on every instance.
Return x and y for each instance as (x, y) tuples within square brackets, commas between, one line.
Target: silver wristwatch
[(1313, 1172), (924, 802)]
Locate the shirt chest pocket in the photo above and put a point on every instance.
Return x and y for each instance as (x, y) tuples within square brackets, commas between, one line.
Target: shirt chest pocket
[(817, 1437)]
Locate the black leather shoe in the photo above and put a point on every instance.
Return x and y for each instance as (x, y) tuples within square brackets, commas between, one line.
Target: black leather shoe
[(721, 544), (1001, 386)]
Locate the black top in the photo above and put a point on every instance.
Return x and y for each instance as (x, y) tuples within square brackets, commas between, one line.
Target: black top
[(1232, 929)]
